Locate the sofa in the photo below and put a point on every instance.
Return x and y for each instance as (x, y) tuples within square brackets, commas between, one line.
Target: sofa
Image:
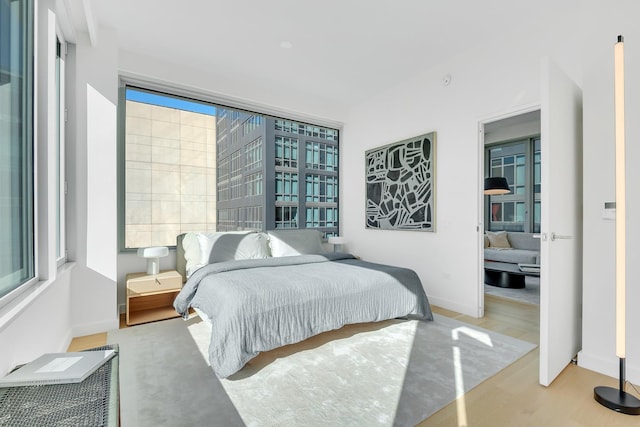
[(511, 247)]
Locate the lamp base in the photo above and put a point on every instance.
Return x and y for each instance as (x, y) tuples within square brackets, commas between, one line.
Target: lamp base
[(617, 400), (153, 265)]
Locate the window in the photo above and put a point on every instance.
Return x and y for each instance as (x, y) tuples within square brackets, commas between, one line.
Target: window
[(251, 171), (519, 163), (61, 248), (254, 185), (321, 217), (16, 145), (286, 186), (253, 155), (322, 188), (253, 218), (322, 156), (169, 168), (286, 152), (286, 217)]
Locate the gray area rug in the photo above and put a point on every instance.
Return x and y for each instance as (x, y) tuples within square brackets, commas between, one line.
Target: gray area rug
[(530, 294), (388, 373)]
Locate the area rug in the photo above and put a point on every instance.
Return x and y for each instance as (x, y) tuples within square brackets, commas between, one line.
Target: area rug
[(387, 373), (530, 294)]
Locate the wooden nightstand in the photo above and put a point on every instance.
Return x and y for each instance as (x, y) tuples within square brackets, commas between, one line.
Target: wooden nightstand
[(150, 296)]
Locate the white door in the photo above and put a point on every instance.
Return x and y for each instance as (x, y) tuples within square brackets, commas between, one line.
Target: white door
[(561, 222)]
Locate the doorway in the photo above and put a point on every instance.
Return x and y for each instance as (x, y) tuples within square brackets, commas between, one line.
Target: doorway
[(512, 150), (561, 219)]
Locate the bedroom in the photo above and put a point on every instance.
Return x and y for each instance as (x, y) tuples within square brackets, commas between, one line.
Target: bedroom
[(488, 77)]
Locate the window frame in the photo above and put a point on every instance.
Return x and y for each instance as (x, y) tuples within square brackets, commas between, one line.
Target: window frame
[(61, 121), (312, 124)]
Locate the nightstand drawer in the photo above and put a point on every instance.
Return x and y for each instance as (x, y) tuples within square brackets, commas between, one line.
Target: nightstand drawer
[(142, 283)]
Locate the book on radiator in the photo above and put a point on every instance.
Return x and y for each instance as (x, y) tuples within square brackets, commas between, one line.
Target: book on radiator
[(58, 368)]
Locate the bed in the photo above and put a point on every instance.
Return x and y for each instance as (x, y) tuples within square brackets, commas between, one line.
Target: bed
[(260, 291)]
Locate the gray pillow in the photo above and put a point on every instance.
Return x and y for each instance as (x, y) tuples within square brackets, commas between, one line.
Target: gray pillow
[(295, 242)]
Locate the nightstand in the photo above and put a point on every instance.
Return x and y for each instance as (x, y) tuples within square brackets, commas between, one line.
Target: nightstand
[(150, 296)]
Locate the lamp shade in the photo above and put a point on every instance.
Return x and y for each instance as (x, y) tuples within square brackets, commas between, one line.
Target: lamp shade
[(153, 255), (496, 185), (337, 240)]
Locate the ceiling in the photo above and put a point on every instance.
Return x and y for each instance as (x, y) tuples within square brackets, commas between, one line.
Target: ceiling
[(341, 50)]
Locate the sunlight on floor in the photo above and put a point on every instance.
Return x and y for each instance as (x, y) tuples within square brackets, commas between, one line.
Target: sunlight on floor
[(485, 339)]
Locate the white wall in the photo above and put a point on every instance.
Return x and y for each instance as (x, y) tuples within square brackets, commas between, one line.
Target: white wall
[(92, 199), (484, 84), (603, 24), (43, 325), (283, 102)]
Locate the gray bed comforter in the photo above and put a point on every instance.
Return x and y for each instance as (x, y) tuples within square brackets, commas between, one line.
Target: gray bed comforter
[(258, 305)]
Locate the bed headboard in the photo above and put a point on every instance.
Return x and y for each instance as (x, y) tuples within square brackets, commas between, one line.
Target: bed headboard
[(181, 262)]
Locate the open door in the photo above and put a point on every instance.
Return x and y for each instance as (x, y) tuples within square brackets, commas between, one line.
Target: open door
[(561, 222)]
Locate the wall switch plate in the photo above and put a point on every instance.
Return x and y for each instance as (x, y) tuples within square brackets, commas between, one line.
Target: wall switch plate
[(609, 211)]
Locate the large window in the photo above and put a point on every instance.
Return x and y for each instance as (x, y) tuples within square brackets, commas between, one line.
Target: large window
[(219, 169), (519, 163), (170, 168), (16, 145)]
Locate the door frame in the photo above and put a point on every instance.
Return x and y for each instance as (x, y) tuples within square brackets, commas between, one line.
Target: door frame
[(482, 122)]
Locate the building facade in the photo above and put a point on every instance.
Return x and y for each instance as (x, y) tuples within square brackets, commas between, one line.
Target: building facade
[(275, 173)]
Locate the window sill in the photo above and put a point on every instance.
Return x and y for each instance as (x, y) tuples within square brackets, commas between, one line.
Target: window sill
[(11, 309)]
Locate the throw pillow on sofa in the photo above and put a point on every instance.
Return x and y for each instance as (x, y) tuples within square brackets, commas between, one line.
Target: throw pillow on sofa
[(498, 239)]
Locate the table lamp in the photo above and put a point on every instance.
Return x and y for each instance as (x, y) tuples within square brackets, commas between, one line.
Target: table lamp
[(337, 241), (153, 255)]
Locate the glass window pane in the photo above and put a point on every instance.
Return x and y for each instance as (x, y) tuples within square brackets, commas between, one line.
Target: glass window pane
[(508, 212), (241, 139), (520, 175), (520, 212), (509, 174), (496, 212), (16, 149)]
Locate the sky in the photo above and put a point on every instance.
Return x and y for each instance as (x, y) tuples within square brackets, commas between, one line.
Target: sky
[(170, 101)]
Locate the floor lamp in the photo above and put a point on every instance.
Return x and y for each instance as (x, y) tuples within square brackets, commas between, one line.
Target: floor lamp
[(616, 398), (496, 185)]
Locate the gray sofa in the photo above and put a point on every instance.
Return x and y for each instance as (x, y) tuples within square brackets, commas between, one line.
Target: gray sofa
[(525, 249)]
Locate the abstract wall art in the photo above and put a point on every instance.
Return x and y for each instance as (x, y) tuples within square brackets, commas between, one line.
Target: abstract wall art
[(400, 179)]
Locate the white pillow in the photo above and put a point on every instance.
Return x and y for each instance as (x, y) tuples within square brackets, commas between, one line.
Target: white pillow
[(230, 246), (192, 254), (201, 249), (295, 242), (498, 239)]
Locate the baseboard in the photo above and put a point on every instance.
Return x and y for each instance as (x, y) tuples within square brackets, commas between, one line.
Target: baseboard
[(609, 366), (66, 341), (96, 327), (452, 305)]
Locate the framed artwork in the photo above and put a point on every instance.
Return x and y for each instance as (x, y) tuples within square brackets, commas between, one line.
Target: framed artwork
[(400, 179)]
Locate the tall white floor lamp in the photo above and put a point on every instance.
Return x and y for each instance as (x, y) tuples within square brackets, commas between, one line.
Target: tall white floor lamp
[(616, 398)]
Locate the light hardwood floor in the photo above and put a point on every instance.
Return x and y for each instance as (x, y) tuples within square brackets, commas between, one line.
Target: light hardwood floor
[(513, 397)]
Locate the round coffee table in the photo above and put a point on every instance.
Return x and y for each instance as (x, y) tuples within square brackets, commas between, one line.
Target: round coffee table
[(503, 275)]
